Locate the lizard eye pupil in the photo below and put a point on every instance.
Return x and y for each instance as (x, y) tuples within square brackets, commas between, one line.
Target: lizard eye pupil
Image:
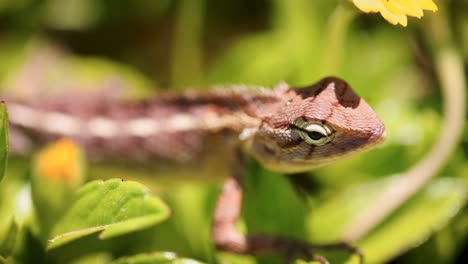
[(315, 135), (313, 132)]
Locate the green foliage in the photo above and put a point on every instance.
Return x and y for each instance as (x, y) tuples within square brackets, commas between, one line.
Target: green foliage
[(138, 47), (60, 71), (54, 181), (154, 258), (429, 210), (3, 139), (285, 208), (8, 240), (113, 207)]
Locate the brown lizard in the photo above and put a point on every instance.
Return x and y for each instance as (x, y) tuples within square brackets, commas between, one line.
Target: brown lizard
[(286, 130)]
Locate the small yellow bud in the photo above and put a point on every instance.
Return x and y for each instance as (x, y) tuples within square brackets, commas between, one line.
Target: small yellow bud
[(60, 161)]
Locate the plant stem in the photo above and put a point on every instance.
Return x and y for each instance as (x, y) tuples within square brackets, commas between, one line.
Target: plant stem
[(186, 64), (449, 68), (335, 39)]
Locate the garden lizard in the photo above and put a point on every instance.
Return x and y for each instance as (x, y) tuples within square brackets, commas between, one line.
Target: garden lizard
[(287, 130)]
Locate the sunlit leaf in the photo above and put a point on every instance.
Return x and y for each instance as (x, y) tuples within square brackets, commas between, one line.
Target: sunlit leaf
[(328, 221), (155, 258), (114, 207), (409, 226), (428, 211)]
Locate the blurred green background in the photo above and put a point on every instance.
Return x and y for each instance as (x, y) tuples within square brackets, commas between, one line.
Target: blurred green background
[(150, 46)]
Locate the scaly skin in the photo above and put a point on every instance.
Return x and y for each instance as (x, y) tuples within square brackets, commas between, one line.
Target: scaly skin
[(286, 130), (280, 142), (178, 128)]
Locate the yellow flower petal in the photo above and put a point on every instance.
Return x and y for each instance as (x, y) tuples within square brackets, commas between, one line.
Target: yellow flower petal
[(390, 17), (368, 6), (427, 5), (410, 8), (396, 11)]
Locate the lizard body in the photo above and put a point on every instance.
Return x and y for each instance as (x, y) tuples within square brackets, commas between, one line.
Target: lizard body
[(271, 125), (286, 130)]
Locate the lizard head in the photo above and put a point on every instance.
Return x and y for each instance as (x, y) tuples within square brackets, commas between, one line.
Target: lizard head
[(311, 126)]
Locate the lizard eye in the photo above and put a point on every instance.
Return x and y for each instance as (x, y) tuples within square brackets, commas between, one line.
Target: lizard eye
[(314, 133)]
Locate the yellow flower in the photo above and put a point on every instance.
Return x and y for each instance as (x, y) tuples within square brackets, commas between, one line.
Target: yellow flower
[(395, 11), (60, 160)]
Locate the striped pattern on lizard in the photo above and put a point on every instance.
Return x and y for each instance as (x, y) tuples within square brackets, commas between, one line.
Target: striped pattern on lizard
[(285, 129), (282, 128)]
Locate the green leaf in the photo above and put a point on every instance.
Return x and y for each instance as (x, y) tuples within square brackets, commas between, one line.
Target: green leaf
[(114, 207), (327, 222), (429, 210), (154, 258), (8, 241), (3, 139), (271, 206)]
